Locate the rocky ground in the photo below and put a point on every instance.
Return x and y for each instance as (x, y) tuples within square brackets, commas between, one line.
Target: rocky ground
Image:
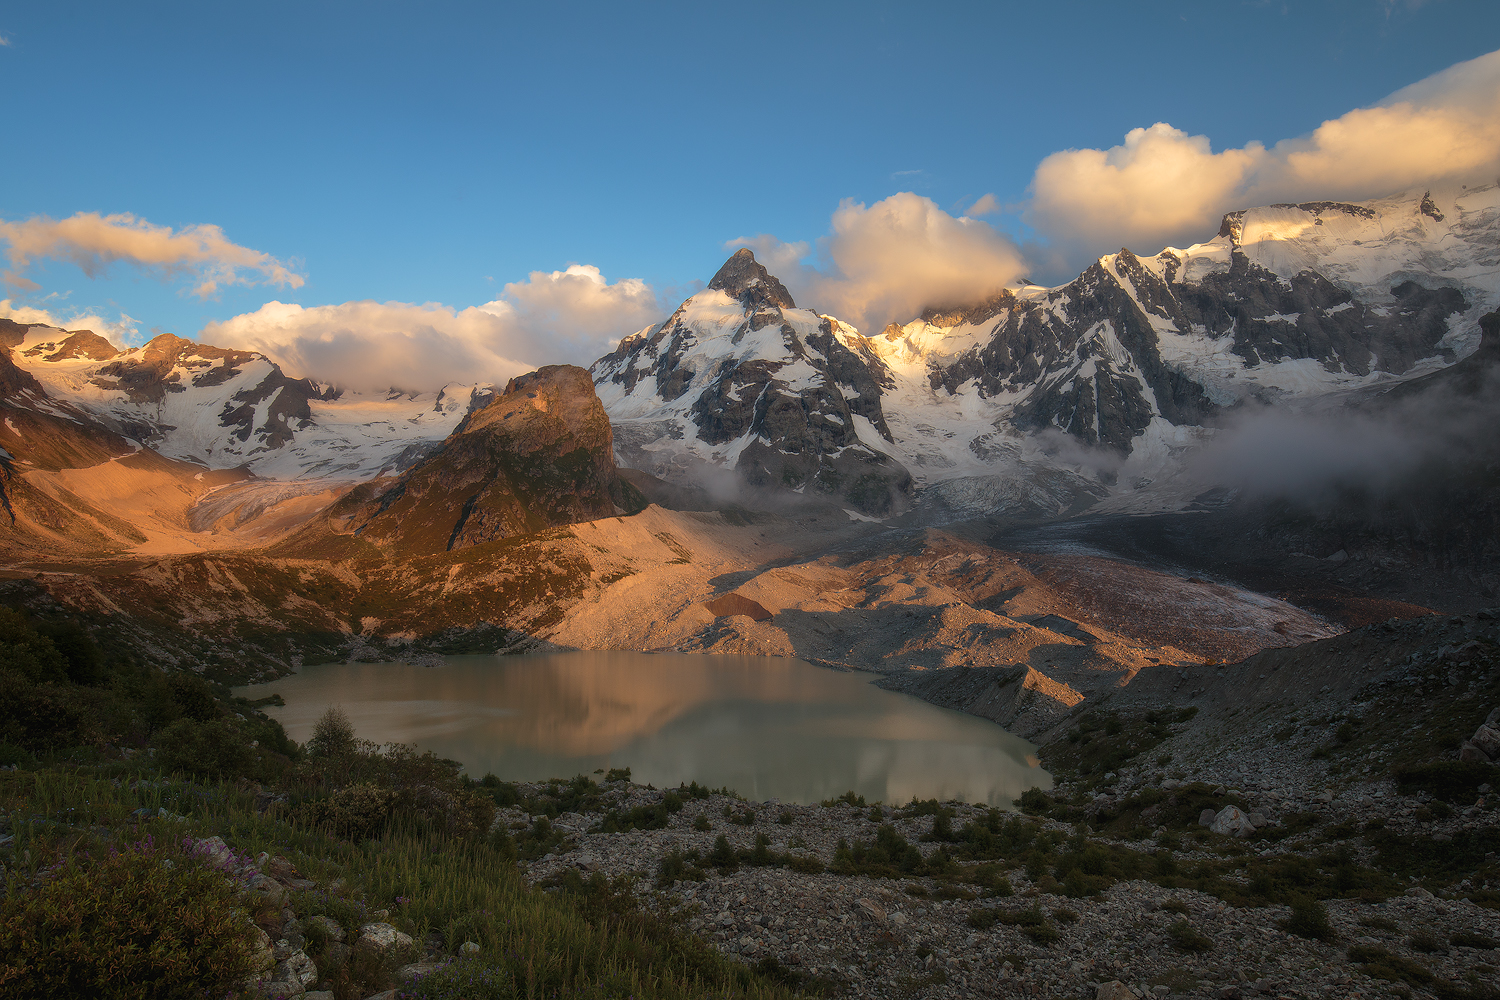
[(1313, 768)]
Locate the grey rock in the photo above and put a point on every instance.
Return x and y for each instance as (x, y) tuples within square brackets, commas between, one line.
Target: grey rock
[(468, 948), (416, 970), (1258, 819), (1487, 738), (1206, 817), (1469, 753), (380, 937), (330, 928), (1230, 821)]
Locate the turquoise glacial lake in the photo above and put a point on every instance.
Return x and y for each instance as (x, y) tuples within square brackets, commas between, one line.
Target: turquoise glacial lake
[(766, 727)]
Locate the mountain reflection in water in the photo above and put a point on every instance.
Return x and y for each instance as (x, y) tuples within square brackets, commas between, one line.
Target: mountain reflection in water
[(766, 727)]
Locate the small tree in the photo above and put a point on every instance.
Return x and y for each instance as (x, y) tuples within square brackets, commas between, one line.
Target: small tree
[(333, 736)]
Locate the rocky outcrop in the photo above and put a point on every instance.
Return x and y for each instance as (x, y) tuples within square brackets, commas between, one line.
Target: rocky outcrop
[(739, 377), (541, 454)]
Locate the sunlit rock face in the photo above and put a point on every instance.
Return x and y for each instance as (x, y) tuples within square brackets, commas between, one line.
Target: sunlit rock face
[(1040, 399), (540, 454), (739, 378), (223, 409)]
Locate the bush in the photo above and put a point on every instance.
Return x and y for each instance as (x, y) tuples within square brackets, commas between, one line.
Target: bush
[(1309, 919), (1187, 939), (27, 652), (181, 936), (209, 749), (333, 736)]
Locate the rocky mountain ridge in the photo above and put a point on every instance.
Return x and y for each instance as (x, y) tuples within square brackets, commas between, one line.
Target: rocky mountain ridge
[(1041, 399)]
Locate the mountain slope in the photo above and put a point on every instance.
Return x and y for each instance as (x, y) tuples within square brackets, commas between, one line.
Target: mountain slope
[(221, 408), (541, 454), (1041, 400), (739, 378)]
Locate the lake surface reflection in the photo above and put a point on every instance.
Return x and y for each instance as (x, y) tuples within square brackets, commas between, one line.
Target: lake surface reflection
[(766, 727)]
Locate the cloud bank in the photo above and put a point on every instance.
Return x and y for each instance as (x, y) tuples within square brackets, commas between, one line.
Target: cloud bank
[(888, 261), (1163, 187), (95, 242), (121, 331), (571, 316)]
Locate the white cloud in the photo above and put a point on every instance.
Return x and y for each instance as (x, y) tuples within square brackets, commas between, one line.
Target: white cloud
[(1162, 186), (888, 261), (95, 242), (570, 316), (986, 205), (121, 331)]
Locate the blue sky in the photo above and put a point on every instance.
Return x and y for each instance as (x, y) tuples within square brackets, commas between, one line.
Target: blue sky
[(436, 152)]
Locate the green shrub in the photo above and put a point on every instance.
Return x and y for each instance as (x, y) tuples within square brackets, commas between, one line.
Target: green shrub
[(181, 936), (1308, 919), (213, 749), (332, 736), (1034, 801), (27, 652), (1185, 938)]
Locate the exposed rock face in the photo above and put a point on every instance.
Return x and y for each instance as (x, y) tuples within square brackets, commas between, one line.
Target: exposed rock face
[(1062, 395), (539, 455), (743, 379), (223, 409)]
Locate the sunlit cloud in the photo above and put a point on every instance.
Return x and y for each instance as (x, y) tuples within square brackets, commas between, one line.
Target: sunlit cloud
[(888, 261), (1162, 186), (570, 316), (95, 242), (986, 205), (122, 331)]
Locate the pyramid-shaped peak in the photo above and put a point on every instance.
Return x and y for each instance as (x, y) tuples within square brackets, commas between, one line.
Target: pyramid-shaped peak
[(742, 277)]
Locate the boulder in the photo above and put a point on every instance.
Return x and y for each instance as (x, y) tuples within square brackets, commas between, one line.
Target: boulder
[(381, 937), (1206, 817), (291, 978), (215, 851), (416, 970), (264, 889), (1258, 819), (263, 956), (1230, 821), (1114, 990), (327, 926), (1487, 738), (469, 948), (1468, 753)]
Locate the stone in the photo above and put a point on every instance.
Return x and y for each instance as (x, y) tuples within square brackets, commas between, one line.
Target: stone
[(215, 850), (327, 926), (265, 889), (380, 937), (335, 954), (1114, 990), (585, 862), (1419, 892), (1469, 753), (872, 909), (1258, 819), (291, 978), (899, 919), (1230, 821), (318, 995), (415, 971), (263, 955), (1206, 817), (1487, 738)]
